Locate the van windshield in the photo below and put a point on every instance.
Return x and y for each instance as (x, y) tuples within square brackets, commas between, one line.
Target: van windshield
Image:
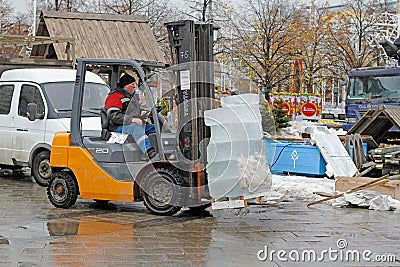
[(60, 96)]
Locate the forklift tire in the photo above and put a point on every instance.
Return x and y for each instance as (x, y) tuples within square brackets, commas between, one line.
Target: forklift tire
[(199, 209), (163, 191), (41, 169), (62, 190)]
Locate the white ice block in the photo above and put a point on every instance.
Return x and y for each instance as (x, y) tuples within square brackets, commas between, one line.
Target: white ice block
[(236, 159)]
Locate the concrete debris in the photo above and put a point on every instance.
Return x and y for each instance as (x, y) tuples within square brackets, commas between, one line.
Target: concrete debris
[(371, 199)]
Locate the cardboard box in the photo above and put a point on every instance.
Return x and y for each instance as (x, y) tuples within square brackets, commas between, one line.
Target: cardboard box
[(391, 188)]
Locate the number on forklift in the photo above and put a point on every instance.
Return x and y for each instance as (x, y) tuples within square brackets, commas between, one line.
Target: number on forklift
[(102, 150), (185, 54)]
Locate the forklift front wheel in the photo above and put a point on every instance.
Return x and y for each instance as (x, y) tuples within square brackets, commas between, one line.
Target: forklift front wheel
[(163, 191), (62, 190)]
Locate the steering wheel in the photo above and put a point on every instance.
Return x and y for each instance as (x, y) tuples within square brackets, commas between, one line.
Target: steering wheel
[(146, 115)]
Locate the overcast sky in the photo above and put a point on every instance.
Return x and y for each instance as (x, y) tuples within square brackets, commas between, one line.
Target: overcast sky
[(22, 5)]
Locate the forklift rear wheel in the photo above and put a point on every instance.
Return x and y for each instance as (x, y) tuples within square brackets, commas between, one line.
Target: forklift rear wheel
[(41, 169), (162, 191), (62, 190)]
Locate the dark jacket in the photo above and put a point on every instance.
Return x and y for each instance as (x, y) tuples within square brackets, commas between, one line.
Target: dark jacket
[(121, 108)]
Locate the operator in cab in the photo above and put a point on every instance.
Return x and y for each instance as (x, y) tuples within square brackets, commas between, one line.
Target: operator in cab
[(125, 115)]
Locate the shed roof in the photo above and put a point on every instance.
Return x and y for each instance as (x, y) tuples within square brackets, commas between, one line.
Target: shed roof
[(99, 36)]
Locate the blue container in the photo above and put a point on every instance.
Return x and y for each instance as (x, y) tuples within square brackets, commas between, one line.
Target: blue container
[(293, 157)]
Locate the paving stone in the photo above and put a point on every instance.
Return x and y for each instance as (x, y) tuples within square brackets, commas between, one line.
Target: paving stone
[(33, 233)]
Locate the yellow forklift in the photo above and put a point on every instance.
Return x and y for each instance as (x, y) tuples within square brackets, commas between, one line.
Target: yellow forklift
[(85, 164)]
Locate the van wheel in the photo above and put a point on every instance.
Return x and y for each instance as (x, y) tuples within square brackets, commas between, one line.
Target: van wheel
[(163, 191), (62, 190), (41, 169)]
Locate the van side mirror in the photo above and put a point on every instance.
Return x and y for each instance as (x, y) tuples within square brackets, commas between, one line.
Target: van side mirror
[(32, 111)]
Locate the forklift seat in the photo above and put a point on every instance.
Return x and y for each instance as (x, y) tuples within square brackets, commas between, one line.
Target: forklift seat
[(105, 133)]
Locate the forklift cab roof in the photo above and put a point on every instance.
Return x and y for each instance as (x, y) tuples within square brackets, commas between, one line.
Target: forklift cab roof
[(102, 64)]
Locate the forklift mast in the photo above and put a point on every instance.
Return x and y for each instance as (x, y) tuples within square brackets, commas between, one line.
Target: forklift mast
[(191, 46)]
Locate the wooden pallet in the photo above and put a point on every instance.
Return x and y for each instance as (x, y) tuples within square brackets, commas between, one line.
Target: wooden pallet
[(234, 203)]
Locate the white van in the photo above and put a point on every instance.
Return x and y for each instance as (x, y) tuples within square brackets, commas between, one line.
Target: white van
[(25, 137)]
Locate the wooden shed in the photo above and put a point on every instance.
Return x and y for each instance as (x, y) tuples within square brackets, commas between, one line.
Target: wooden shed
[(97, 36)]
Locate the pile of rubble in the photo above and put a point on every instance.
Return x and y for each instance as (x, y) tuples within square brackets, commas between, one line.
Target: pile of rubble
[(380, 130), (387, 159)]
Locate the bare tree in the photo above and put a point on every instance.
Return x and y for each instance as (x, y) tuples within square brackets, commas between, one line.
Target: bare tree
[(68, 5), (124, 6), (160, 12), (311, 25), (261, 40), (347, 42), (157, 11), (198, 9), (11, 24), (6, 18)]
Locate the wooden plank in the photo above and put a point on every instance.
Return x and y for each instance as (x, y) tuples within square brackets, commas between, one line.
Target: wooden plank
[(367, 170), (370, 141), (389, 149), (364, 186)]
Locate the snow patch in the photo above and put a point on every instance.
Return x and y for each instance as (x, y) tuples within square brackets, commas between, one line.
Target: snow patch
[(291, 188)]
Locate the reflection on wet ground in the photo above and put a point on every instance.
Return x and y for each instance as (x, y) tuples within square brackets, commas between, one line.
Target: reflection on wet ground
[(33, 233)]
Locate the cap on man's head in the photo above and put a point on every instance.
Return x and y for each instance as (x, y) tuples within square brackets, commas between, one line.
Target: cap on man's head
[(125, 80)]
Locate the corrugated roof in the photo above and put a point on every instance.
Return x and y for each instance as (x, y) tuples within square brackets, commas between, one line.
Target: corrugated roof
[(100, 35)]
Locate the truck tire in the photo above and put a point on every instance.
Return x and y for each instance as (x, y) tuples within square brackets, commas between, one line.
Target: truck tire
[(41, 169), (62, 190), (163, 191)]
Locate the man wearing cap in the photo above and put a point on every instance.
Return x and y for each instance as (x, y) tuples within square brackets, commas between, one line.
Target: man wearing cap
[(125, 115)]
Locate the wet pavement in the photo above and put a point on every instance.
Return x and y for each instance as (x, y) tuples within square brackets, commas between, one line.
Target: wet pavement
[(33, 233)]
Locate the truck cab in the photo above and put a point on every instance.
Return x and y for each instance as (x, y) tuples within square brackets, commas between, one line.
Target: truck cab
[(368, 88), (34, 105)]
